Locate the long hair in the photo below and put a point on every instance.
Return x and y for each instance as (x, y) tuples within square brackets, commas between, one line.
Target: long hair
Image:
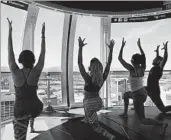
[(96, 72), (27, 58)]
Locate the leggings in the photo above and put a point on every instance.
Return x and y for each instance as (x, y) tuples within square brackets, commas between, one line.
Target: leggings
[(91, 106), (25, 111), (155, 97), (139, 97), (20, 127), (156, 100)]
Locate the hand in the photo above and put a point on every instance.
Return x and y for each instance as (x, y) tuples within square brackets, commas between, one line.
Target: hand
[(123, 42), (43, 28), (112, 43), (157, 49), (81, 42), (10, 24), (139, 42), (165, 46)]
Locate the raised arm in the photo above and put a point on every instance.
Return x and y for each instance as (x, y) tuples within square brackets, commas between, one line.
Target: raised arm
[(139, 45), (157, 51), (165, 56), (107, 68), (40, 64), (80, 61), (122, 61), (11, 57), (143, 65)]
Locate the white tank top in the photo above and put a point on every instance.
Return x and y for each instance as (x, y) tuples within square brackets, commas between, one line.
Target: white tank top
[(136, 83)]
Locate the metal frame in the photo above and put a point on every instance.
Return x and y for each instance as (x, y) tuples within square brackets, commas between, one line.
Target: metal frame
[(70, 58), (105, 33), (64, 59), (67, 58), (32, 14)]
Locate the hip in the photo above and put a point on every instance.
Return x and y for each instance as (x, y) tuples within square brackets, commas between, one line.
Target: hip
[(90, 95), (92, 101), (140, 92), (93, 104), (28, 103)]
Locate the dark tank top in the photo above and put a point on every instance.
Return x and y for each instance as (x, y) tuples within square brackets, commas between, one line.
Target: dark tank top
[(91, 90), (153, 79), (26, 92), (27, 101)]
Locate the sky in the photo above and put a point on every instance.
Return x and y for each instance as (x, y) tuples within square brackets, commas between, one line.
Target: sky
[(152, 33)]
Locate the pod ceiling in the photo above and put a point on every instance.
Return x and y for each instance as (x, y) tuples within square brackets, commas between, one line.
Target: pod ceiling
[(110, 6)]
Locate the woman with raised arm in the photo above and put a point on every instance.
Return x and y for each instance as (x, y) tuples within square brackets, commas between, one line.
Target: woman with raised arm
[(93, 83), (154, 76), (137, 70), (27, 104)]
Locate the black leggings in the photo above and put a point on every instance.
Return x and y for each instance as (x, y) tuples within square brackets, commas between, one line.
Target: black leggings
[(156, 100), (155, 97), (139, 97)]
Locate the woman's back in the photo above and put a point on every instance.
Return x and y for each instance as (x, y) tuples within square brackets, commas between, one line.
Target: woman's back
[(30, 76), (136, 78)]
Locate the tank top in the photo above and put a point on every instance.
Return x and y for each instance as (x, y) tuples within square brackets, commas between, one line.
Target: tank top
[(136, 82), (91, 90), (26, 92)]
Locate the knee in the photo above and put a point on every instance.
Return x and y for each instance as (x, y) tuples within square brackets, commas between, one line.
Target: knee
[(162, 109)]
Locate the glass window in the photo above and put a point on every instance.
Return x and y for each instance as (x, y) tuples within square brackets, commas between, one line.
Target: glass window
[(152, 33), (7, 86), (18, 25), (89, 28), (53, 31)]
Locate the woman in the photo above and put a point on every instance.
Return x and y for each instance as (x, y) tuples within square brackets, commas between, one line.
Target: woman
[(152, 87), (154, 76), (93, 83), (27, 104), (137, 70)]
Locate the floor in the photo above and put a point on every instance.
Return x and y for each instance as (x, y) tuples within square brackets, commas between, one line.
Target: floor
[(132, 129), (68, 126), (45, 122)]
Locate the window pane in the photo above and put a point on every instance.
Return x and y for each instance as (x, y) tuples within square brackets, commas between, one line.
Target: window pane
[(7, 86), (53, 32), (88, 28), (152, 34), (15, 15)]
